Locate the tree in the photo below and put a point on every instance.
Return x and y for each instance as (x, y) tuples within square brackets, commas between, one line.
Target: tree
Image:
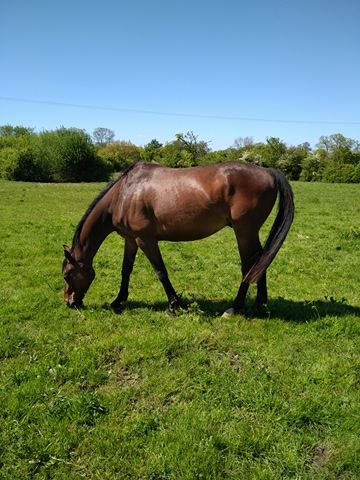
[(339, 148), (10, 131), (291, 162), (305, 146), (67, 155), (120, 154), (273, 151), (103, 136), (337, 141), (151, 150), (268, 154), (196, 149), (311, 168), (243, 142), (185, 151)]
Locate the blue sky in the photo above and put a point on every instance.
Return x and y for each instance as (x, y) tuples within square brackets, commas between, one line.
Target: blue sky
[(151, 69)]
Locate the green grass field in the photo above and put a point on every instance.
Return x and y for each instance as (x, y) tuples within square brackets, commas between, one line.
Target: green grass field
[(95, 395)]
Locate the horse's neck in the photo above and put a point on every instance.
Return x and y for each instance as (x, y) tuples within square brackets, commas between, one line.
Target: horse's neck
[(97, 226)]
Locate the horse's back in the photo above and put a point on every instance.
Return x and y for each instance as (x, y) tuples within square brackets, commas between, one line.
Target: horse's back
[(191, 203), (249, 178)]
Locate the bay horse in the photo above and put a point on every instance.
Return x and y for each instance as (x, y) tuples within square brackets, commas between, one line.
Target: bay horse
[(149, 203)]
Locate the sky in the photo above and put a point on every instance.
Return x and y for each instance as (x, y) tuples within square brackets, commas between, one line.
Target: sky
[(151, 69)]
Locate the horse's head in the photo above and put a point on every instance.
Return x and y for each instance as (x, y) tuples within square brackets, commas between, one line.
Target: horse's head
[(78, 277)]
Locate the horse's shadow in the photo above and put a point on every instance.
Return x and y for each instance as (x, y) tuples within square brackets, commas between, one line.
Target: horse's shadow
[(310, 310), (284, 309)]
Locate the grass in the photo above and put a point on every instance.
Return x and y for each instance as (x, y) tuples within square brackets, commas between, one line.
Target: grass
[(90, 394)]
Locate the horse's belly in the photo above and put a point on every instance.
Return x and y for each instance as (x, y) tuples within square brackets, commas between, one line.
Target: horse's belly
[(190, 228)]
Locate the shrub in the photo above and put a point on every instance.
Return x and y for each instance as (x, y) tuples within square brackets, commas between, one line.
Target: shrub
[(63, 155), (150, 150), (18, 160), (26, 168), (8, 161), (356, 174), (119, 155), (290, 162), (311, 169), (67, 155), (336, 172), (221, 156)]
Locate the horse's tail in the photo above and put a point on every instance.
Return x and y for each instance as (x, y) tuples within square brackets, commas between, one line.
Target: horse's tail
[(279, 229)]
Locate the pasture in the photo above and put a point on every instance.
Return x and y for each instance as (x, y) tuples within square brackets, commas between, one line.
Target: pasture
[(141, 395)]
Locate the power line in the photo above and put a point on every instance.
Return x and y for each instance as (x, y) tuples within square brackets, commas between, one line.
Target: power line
[(172, 114)]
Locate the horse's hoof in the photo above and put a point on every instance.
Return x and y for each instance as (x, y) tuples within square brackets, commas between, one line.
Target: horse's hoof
[(173, 306), (117, 307), (75, 305), (260, 310), (231, 311)]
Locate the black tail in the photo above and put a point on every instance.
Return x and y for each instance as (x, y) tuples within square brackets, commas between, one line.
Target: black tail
[(279, 229)]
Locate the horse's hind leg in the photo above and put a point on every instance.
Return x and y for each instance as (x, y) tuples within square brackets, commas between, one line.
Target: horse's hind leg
[(152, 251), (130, 250), (261, 297), (250, 250)]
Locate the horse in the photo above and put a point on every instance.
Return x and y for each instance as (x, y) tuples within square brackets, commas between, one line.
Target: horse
[(149, 203)]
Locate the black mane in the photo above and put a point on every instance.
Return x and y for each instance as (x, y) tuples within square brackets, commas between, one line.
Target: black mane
[(76, 238)]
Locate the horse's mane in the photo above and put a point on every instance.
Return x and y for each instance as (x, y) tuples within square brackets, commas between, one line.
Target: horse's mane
[(76, 238)]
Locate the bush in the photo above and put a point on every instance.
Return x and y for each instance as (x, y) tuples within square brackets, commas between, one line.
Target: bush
[(311, 169), (356, 174), (64, 155), (18, 160), (67, 155), (251, 156), (150, 150), (290, 162), (119, 155), (336, 172), (26, 168), (8, 161), (20, 165), (221, 156)]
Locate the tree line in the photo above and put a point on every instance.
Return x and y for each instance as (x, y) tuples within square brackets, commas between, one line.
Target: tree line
[(72, 155)]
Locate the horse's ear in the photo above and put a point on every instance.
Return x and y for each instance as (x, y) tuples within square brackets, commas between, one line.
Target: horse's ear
[(68, 255)]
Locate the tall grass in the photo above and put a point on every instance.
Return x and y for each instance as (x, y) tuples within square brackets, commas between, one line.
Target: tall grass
[(91, 394)]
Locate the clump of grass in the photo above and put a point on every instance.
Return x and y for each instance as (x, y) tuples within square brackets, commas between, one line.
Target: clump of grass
[(352, 233)]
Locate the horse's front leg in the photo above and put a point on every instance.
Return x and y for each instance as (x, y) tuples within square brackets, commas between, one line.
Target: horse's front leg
[(130, 250), (151, 249)]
